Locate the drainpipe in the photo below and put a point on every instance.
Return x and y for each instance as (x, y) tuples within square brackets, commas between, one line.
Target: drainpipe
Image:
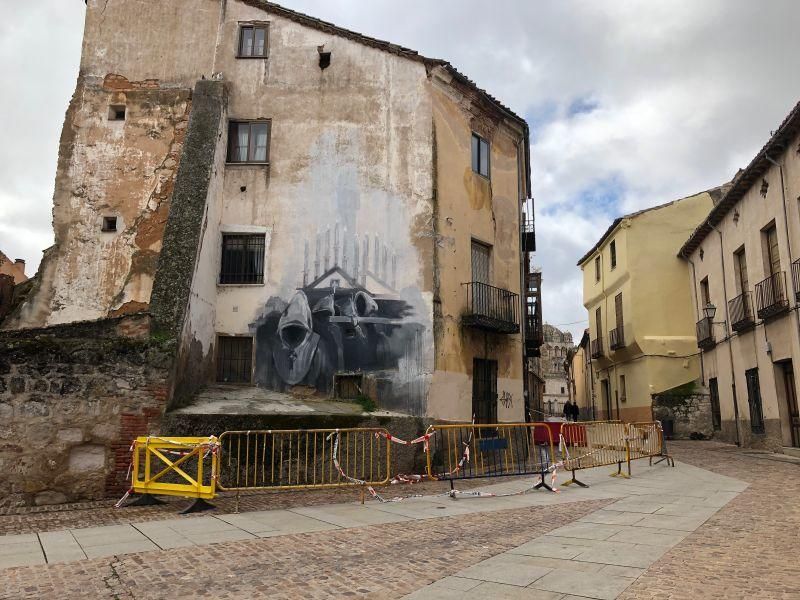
[(697, 314), (728, 337)]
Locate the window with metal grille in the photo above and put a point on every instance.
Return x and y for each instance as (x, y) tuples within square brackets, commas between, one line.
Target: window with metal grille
[(716, 415), (480, 155), (248, 141), (484, 390), (234, 359), (253, 41), (754, 400), (242, 259)]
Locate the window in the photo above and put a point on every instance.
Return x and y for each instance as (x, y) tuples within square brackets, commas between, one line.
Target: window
[(248, 141), (754, 400), (740, 268), (618, 313), (253, 41), (481, 254), (597, 268), (480, 155), (612, 250), (562, 389), (242, 258), (484, 390), (234, 359), (705, 296), (598, 319), (623, 394), (116, 112), (716, 416), (772, 254), (109, 224)]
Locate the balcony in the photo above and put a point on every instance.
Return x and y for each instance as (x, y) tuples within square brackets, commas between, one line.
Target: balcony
[(616, 338), (597, 348), (705, 334), (771, 297), (534, 335), (491, 308), (796, 279), (528, 236), (741, 311)]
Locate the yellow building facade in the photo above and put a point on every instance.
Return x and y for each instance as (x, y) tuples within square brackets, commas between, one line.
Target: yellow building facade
[(641, 320)]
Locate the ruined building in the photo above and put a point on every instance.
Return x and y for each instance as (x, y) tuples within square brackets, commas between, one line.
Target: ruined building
[(250, 196)]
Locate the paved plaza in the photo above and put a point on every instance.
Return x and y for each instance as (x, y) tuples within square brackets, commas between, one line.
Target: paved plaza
[(722, 523)]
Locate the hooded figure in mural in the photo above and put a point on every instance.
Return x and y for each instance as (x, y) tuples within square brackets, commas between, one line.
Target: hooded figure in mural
[(296, 356)]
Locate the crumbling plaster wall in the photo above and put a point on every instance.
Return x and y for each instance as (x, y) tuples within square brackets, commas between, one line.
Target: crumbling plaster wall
[(469, 207)]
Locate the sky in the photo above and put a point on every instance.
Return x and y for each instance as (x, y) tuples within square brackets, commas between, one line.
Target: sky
[(631, 103)]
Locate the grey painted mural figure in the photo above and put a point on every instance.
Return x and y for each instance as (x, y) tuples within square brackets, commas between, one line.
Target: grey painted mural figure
[(334, 324)]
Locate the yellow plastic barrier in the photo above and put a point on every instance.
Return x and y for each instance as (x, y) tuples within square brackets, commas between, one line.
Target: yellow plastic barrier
[(160, 466)]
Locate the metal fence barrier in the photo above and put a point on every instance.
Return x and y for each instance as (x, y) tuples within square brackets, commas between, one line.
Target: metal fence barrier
[(468, 451), (646, 440), (303, 458), (174, 466)]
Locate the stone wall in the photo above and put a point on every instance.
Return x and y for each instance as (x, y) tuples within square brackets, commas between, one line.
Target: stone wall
[(72, 397), (689, 414)]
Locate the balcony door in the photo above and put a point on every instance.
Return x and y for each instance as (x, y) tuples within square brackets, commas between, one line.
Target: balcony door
[(481, 261), (773, 256)]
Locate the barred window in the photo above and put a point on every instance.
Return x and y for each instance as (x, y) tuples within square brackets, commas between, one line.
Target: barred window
[(248, 141), (234, 359), (242, 258)]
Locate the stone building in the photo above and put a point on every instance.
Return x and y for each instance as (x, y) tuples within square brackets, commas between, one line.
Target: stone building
[(12, 273), (556, 354), (743, 270), (641, 329), (267, 199)]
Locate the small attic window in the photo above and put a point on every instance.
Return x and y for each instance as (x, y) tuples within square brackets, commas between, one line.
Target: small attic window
[(109, 224), (116, 112), (324, 58), (764, 187)]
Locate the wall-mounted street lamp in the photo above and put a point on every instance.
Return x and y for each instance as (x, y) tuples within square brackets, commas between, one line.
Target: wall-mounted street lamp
[(710, 310)]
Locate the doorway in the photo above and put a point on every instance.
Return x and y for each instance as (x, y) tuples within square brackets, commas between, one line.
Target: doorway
[(484, 390), (606, 392), (791, 402)]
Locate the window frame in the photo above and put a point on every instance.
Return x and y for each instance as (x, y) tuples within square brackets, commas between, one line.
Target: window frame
[(477, 161), (597, 268), (249, 360), (612, 251), (259, 277), (235, 123), (240, 40)]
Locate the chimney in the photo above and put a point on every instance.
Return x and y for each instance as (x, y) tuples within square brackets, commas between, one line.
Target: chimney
[(20, 262)]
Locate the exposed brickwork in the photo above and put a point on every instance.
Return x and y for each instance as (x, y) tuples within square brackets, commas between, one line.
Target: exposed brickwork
[(72, 398)]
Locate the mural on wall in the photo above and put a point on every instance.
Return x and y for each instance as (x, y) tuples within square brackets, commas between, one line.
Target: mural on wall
[(347, 319)]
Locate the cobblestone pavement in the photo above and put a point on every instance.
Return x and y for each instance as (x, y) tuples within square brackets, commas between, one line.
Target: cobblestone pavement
[(750, 548), (91, 514), (379, 561)]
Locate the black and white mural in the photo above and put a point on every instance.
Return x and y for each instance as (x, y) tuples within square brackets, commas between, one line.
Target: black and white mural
[(345, 318)]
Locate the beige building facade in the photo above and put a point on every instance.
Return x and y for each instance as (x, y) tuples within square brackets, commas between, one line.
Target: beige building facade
[(582, 379), (641, 331), (745, 279), (351, 217)]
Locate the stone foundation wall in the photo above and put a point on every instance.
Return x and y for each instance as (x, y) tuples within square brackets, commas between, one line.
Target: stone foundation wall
[(689, 414), (770, 440), (72, 397)]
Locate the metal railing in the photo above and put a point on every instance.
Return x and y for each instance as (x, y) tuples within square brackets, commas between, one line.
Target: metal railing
[(796, 279), (705, 333), (303, 458), (771, 297), (596, 347), (616, 338), (469, 451), (491, 308), (741, 310)]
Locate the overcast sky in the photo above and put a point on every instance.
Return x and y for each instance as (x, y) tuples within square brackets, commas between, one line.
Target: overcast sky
[(631, 103)]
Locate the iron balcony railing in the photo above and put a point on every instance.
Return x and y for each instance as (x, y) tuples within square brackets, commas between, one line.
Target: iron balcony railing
[(534, 335), (771, 297), (616, 338), (705, 334), (528, 236), (597, 347), (491, 308), (796, 279), (741, 310)]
